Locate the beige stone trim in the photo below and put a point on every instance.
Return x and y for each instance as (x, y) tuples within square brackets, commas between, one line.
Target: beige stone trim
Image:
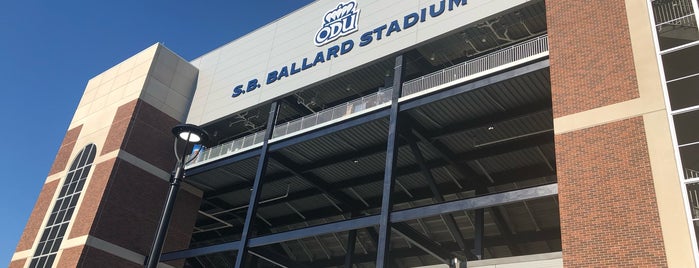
[(155, 171), (138, 162), (667, 186), (666, 180), (650, 86), (56, 176), (110, 248), (606, 115), (27, 254)]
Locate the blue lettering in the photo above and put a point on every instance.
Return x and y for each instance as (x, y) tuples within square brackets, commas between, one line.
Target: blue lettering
[(395, 27), (305, 65), (434, 13), (423, 14), (237, 91), (347, 47), (319, 58), (453, 3), (272, 77), (294, 70), (284, 72), (366, 39), (410, 20), (379, 30), (332, 51), (252, 85)]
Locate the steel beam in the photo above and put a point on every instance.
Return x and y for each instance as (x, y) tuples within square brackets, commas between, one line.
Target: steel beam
[(382, 254), (490, 80), (449, 220), (423, 242), (348, 202), (420, 193), (491, 200), (328, 228), (257, 188), (484, 201), (276, 259), (379, 148), (492, 241)]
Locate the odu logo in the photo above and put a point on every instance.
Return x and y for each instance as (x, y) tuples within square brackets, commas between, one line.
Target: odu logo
[(338, 22)]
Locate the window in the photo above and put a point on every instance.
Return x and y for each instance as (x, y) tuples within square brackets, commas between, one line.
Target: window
[(63, 209)]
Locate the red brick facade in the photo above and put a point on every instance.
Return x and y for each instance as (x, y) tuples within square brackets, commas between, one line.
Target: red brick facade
[(609, 214), (142, 130), (17, 263), (122, 202), (116, 212), (37, 217), (65, 150), (590, 53)]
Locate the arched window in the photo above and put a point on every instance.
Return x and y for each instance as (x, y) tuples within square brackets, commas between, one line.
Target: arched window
[(63, 208)]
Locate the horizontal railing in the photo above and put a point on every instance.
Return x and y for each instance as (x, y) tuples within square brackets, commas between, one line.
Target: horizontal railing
[(676, 13), (484, 63), (340, 112), (336, 113)]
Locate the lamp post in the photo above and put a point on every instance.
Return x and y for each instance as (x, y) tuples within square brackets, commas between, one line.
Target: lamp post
[(191, 134)]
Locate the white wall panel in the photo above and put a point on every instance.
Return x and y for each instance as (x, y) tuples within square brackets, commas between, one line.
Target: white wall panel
[(291, 39)]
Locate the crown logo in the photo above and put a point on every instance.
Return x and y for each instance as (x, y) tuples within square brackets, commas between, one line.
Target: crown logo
[(337, 22)]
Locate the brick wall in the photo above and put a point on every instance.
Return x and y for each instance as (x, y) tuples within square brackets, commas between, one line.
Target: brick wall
[(63, 155), (33, 227), (608, 207), (609, 216), (123, 202), (144, 131), (590, 53)]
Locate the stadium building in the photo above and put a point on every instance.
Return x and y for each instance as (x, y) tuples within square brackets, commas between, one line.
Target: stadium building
[(452, 133)]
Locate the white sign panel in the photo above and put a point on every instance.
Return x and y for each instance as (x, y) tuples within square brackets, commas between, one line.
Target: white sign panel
[(319, 41)]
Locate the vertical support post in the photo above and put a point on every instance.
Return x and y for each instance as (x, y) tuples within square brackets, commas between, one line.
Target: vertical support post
[(351, 241), (478, 233), (382, 250), (241, 258), (479, 226)]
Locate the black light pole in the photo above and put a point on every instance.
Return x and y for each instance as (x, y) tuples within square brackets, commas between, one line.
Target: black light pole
[(191, 134)]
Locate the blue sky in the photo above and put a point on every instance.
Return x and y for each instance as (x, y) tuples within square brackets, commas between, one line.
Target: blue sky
[(50, 49)]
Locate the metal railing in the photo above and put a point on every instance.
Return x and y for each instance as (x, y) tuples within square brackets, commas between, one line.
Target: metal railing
[(487, 62), (674, 13), (498, 58), (338, 112)]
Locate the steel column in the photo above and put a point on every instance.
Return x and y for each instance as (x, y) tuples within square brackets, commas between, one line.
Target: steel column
[(382, 258), (351, 242), (478, 233), (256, 188)]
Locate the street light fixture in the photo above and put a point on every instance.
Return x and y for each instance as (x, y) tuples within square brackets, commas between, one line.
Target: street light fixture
[(191, 134)]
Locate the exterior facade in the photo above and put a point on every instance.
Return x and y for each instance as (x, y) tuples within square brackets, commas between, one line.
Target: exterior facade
[(452, 133)]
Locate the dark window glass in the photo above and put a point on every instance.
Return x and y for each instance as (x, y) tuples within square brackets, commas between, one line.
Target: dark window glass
[(684, 92), (63, 208), (681, 64), (675, 23)]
